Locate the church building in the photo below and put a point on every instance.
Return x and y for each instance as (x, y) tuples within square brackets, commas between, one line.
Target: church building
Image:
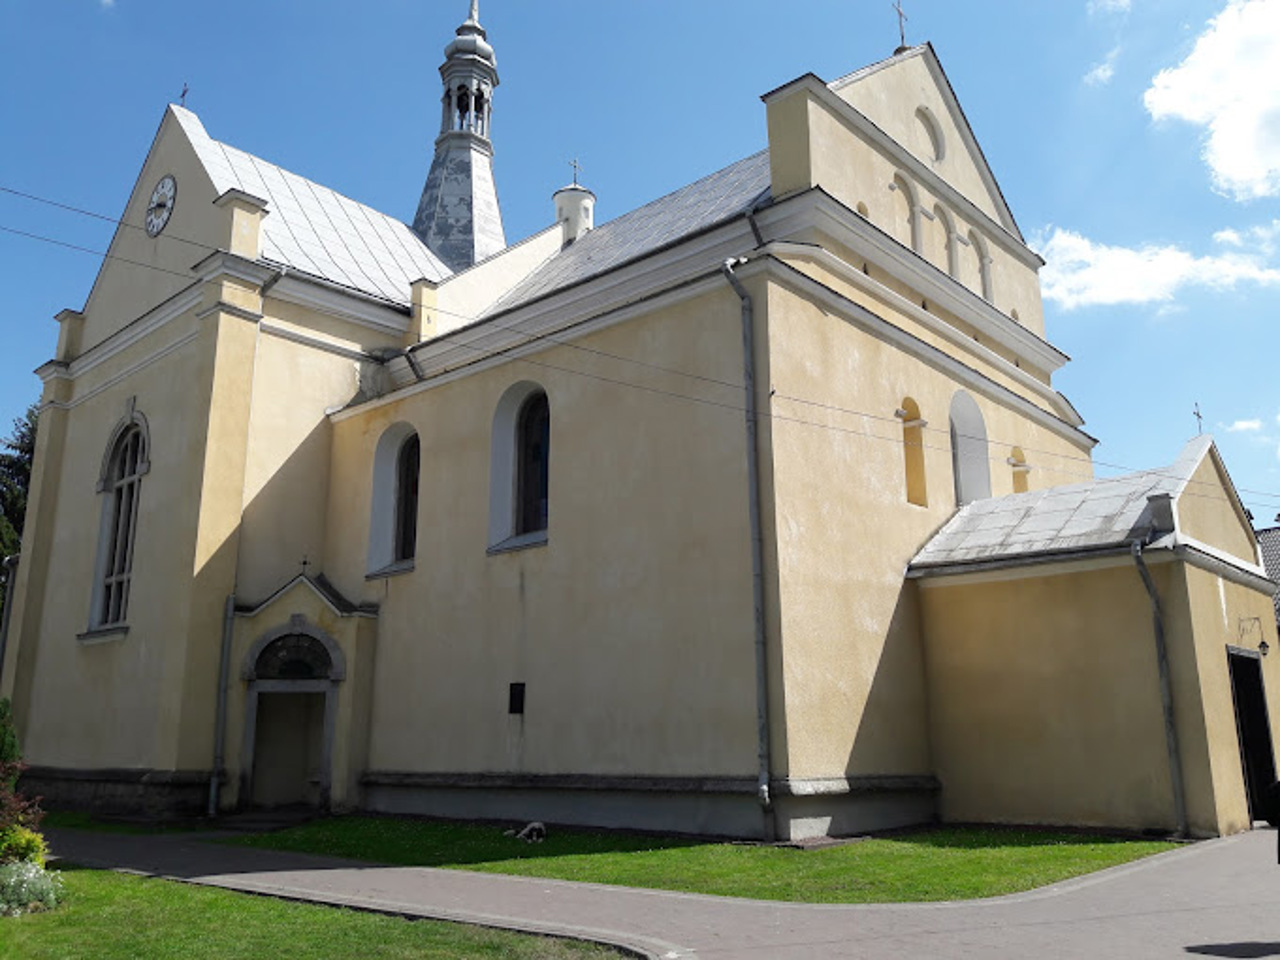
[(752, 512)]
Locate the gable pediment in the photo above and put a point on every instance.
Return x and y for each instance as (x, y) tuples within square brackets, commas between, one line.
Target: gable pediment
[(909, 97)]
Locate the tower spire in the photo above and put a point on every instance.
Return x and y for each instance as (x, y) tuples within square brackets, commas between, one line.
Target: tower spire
[(458, 217)]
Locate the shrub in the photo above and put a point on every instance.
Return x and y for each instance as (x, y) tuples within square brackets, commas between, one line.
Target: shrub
[(21, 844), (26, 888)]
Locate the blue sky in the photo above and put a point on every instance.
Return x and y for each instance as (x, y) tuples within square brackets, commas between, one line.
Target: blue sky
[(1137, 141)]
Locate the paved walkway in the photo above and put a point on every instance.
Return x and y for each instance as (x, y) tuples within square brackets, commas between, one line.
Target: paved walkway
[(1220, 899)]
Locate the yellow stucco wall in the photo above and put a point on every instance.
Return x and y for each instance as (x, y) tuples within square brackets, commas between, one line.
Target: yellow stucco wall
[(854, 688), (1225, 614), (1044, 698), (128, 694), (631, 627), (1207, 512)]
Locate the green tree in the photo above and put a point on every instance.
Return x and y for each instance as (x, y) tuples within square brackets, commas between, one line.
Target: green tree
[(16, 453)]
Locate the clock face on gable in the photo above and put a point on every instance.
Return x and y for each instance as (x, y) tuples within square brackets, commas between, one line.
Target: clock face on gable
[(160, 208)]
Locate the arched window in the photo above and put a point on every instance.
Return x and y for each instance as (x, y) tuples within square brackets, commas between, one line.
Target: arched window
[(1018, 464), (408, 465), (121, 482), (520, 467), (982, 261), (932, 134), (913, 452), (533, 463), (945, 246), (970, 466), (906, 216), (393, 513)]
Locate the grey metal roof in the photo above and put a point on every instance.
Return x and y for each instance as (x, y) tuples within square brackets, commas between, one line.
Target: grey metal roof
[(1269, 541), (1080, 516), (707, 202), (317, 230)]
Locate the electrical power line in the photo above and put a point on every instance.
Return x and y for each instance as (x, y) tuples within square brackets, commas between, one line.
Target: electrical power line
[(1084, 462)]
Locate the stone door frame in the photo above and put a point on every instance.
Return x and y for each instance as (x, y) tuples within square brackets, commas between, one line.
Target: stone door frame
[(298, 625)]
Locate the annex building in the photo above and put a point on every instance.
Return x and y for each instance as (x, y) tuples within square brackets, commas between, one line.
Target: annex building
[(751, 512)]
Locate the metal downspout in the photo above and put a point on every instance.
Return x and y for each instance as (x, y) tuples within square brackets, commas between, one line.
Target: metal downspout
[(757, 546), (11, 574), (220, 721), (1166, 693)]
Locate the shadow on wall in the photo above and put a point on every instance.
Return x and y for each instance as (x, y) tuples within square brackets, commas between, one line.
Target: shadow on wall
[(892, 736), (1236, 949), (284, 522)]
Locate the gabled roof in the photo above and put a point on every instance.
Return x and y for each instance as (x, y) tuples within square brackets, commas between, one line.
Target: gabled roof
[(1096, 515), (316, 230), (721, 196)]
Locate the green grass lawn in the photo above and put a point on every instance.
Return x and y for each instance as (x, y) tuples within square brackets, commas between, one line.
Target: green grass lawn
[(941, 864), (110, 915)]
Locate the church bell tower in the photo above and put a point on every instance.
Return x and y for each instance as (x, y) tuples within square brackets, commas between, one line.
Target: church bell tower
[(458, 216)]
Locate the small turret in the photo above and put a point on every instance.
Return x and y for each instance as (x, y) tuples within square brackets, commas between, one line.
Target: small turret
[(575, 210)]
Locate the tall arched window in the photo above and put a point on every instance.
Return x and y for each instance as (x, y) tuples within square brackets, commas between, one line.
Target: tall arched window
[(913, 452), (533, 463), (393, 514), (970, 466), (121, 482), (408, 466)]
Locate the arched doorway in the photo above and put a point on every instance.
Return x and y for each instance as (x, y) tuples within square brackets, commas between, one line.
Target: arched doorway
[(290, 716)]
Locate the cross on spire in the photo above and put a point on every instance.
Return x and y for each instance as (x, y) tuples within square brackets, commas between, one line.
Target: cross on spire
[(183, 99), (902, 24), (577, 169), (1199, 420)]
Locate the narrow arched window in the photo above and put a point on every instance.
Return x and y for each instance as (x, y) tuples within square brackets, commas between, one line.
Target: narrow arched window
[(981, 272), (122, 484), (408, 465), (913, 452), (906, 220), (969, 458), (1018, 464), (533, 463)]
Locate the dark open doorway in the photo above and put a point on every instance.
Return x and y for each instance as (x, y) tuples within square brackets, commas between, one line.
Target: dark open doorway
[(1253, 726)]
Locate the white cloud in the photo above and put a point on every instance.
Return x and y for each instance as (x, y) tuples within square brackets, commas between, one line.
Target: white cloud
[(1229, 85), (1108, 6), (1081, 273), (108, 4), (1244, 426), (1101, 73)]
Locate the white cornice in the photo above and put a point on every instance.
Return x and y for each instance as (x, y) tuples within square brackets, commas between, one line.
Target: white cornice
[(297, 336), (817, 209), (304, 291), (127, 372), (1191, 551), (897, 154), (224, 264), (439, 372), (851, 274), (139, 329), (599, 296), (855, 313)]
